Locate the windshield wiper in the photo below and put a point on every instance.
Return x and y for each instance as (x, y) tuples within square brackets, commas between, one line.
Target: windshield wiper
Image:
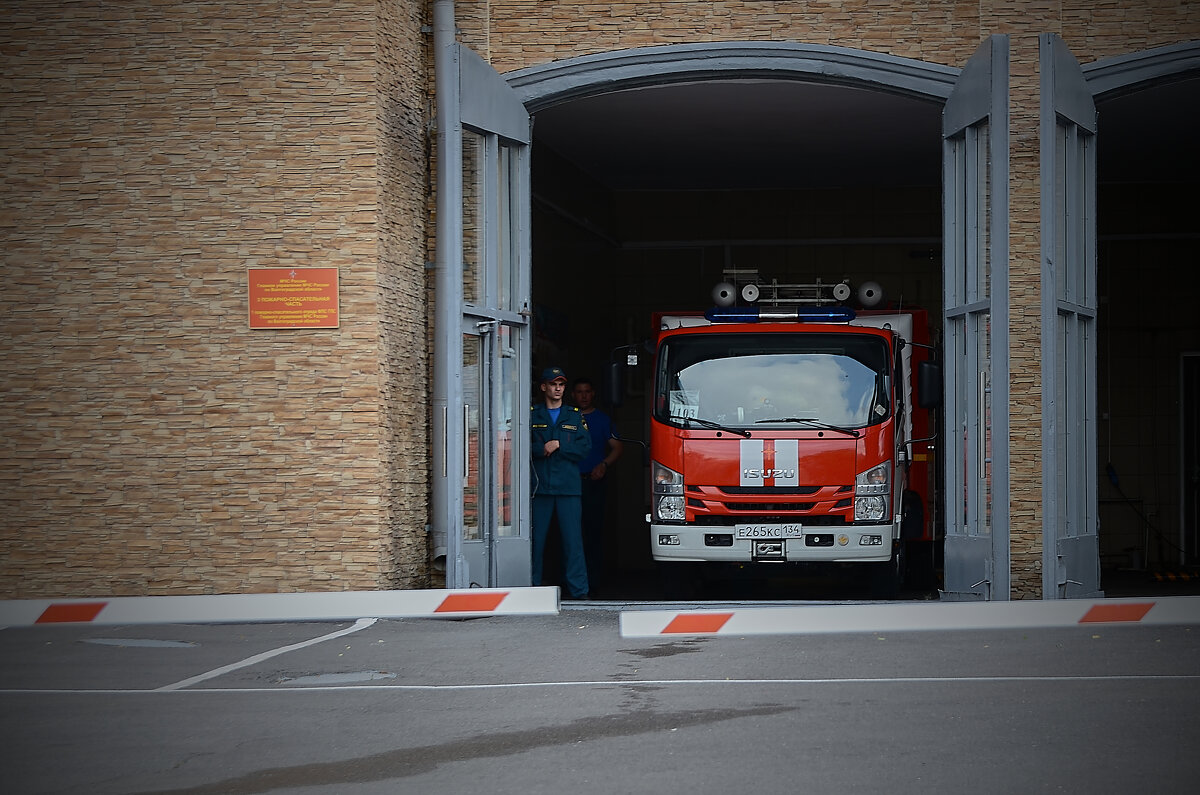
[(710, 424), (815, 423)]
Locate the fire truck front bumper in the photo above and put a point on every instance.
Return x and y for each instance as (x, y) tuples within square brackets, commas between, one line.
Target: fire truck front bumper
[(769, 543)]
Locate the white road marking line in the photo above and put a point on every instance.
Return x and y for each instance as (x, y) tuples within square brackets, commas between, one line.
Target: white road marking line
[(632, 683), (362, 623)]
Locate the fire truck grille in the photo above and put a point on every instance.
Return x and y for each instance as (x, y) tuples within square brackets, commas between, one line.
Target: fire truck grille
[(809, 520), (773, 507), (807, 503), (783, 491)]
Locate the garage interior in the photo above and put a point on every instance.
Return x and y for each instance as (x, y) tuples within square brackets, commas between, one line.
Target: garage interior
[(642, 198)]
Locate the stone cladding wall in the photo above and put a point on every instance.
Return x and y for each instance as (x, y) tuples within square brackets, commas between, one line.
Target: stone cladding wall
[(153, 444), (405, 166), (517, 33)]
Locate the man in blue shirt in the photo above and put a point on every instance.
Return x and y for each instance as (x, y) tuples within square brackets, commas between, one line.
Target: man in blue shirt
[(593, 472), (560, 440)]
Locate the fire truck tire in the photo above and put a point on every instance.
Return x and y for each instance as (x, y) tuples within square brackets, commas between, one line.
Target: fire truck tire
[(912, 526), (887, 577), (920, 567), (680, 581)]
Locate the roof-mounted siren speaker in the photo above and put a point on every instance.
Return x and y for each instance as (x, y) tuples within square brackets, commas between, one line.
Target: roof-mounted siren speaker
[(750, 293), (841, 292), (870, 294), (724, 294)]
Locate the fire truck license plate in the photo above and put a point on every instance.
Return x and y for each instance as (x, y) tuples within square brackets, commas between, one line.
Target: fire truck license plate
[(768, 531)]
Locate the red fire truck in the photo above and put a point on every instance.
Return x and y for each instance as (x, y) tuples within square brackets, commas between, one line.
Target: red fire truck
[(792, 429)]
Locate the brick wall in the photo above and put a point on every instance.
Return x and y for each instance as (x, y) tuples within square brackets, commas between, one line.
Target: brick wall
[(152, 443)]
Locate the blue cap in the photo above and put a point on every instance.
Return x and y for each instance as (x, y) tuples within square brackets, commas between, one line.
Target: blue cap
[(552, 374)]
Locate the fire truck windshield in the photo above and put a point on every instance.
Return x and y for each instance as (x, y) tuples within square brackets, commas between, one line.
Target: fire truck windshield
[(840, 380)]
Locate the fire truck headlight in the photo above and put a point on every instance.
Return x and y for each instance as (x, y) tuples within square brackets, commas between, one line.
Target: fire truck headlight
[(876, 480), (871, 490), (870, 509), (666, 481), (670, 509), (668, 493)]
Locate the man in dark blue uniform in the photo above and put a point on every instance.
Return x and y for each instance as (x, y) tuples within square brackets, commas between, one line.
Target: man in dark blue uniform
[(560, 441), (593, 476)]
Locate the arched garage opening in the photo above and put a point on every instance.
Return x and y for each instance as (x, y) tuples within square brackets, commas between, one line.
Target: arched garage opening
[(654, 171), (1148, 368)]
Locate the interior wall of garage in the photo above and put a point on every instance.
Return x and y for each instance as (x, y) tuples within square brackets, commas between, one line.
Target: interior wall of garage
[(1147, 280), (1148, 188)]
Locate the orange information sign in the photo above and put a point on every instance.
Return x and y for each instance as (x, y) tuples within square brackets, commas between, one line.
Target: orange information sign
[(293, 297)]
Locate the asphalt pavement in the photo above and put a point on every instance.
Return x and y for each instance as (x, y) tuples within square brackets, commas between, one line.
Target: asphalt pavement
[(563, 703)]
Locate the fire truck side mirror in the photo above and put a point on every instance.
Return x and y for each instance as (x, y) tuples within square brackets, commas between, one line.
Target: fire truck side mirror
[(615, 383), (622, 357), (929, 385)]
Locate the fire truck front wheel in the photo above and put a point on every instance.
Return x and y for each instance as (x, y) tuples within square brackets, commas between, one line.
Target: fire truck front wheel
[(681, 580), (887, 577)]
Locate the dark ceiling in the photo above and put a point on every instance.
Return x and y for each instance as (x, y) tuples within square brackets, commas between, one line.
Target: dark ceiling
[(745, 135), (1150, 135), (755, 134)]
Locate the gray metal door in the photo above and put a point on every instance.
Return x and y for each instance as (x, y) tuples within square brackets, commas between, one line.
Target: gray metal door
[(495, 292), (1071, 550), (481, 478), (975, 290), (494, 547)]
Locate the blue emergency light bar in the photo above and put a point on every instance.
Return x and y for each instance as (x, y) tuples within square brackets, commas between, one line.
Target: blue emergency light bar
[(801, 314)]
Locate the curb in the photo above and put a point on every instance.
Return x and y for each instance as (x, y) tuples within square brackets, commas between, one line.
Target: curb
[(239, 608), (918, 617)]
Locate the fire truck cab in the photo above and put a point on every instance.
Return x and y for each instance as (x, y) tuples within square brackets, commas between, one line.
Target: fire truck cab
[(791, 433)]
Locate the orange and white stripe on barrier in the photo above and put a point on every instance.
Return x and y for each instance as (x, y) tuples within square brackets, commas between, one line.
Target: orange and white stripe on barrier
[(909, 617), (239, 608)]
